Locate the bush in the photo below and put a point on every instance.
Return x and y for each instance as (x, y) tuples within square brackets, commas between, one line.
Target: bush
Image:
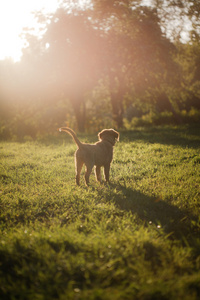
[(164, 118)]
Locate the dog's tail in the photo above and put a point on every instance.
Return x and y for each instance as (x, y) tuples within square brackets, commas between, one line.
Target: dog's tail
[(73, 134)]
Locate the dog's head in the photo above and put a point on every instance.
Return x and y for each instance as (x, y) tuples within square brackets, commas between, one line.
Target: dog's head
[(109, 135)]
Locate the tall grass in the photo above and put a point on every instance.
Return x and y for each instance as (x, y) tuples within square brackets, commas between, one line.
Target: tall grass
[(136, 238)]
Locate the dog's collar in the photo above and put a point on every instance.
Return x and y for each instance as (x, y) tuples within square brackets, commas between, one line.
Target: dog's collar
[(109, 142)]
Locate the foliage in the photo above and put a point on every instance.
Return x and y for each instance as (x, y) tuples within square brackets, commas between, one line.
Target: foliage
[(94, 64), (188, 58), (137, 238), (164, 118)]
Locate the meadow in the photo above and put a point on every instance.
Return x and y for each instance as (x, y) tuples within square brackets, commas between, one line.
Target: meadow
[(135, 238)]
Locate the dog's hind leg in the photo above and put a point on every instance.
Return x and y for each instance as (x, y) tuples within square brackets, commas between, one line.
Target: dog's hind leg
[(98, 173), (87, 173), (79, 165)]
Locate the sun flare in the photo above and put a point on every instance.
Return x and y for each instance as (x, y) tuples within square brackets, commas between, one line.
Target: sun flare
[(14, 16)]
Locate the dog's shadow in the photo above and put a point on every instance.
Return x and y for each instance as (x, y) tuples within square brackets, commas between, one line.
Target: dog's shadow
[(154, 211)]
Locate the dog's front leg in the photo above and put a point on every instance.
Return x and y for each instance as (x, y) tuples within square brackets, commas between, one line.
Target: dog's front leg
[(106, 172)]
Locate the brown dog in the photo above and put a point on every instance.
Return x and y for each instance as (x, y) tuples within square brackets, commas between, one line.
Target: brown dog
[(99, 154)]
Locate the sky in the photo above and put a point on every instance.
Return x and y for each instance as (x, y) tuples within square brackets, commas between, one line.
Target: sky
[(14, 16)]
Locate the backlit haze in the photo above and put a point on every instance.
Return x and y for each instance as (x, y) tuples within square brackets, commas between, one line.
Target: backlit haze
[(18, 14), (14, 16)]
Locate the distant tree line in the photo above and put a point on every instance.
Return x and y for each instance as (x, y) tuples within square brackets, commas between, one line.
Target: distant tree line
[(109, 63)]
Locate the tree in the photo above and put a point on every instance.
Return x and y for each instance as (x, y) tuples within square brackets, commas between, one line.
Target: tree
[(137, 55), (188, 58), (70, 56), (75, 53), (178, 18)]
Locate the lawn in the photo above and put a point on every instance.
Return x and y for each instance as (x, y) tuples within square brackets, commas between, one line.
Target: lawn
[(136, 238)]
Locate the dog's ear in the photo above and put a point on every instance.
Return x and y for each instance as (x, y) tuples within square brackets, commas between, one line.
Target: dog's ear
[(101, 134), (115, 134)]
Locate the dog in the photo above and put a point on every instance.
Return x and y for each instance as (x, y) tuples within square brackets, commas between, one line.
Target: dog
[(99, 154)]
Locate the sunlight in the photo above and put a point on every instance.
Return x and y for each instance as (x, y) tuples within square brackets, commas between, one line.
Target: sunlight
[(14, 16)]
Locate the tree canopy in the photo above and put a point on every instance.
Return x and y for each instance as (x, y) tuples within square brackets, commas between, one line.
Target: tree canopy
[(100, 64)]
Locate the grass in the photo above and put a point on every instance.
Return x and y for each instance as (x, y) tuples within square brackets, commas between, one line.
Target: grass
[(137, 238)]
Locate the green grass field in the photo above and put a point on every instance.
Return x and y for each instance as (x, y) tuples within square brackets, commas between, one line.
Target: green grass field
[(136, 238)]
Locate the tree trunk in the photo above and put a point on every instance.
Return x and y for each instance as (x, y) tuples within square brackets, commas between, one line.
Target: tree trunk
[(117, 107), (80, 114)]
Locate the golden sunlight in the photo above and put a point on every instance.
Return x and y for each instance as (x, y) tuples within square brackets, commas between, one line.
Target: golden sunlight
[(14, 16)]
